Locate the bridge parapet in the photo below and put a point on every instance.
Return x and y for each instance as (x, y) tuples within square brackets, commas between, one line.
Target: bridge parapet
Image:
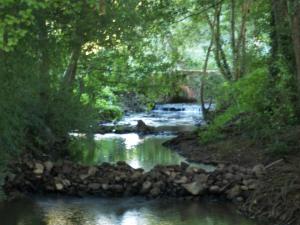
[(188, 72)]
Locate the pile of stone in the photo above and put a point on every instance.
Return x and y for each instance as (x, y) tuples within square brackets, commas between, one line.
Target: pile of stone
[(227, 181)]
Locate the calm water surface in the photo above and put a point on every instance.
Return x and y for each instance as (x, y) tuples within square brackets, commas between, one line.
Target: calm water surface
[(137, 151)]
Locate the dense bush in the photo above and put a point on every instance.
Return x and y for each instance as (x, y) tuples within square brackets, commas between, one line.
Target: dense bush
[(35, 115), (256, 103)]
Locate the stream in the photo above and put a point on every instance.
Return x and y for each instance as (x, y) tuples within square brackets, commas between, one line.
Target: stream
[(139, 152)]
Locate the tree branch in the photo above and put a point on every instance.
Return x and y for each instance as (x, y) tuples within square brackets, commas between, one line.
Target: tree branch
[(199, 12)]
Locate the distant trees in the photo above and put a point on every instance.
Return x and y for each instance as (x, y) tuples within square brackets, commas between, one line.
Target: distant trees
[(231, 63)]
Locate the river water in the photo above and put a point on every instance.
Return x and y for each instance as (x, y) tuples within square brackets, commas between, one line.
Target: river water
[(139, 152)]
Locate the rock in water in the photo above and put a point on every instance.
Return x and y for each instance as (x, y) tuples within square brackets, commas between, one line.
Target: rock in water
[(94, 186), (59, 186), (38, 169), (105, 187), (155, 192), (214, 189), (143, 128), (146, 186), (195, 188)]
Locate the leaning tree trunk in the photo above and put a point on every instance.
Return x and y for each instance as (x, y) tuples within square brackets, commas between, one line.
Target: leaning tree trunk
[(220, 56), (70, 73), (205, 110)]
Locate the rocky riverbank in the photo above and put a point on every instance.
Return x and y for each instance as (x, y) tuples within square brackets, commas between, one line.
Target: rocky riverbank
[(276, 199), (230, 182)]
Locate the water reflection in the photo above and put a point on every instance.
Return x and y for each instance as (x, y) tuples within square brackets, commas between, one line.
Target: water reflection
[(138, 152), (134, 211), (130, 140)]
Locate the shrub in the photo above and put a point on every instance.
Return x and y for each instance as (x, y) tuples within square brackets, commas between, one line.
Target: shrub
[(255, 103)]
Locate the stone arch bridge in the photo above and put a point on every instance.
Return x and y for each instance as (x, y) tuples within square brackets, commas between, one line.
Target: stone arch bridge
[(192, 81)]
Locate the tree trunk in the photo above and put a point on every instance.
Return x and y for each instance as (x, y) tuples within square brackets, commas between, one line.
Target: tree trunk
[(44, 71), (70, 73), (220, 56), (240, 46), (281, 37), (233, 42), (102, 7), (295, 20), (205, 110)]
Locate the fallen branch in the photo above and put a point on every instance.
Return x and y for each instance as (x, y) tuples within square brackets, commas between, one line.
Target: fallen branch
[(274, 163)]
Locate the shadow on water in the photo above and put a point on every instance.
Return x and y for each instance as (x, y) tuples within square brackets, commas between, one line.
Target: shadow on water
[(133, 211), (21, 212)]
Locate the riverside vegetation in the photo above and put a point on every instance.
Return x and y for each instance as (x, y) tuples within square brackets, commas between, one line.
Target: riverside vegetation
[(67, 65)]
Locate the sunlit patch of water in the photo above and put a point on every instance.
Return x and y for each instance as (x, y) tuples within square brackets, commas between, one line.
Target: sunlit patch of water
[(118, 211)]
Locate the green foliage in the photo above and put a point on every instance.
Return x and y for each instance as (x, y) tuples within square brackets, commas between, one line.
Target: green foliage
[(124, 48), (30, 118), (105, 103), (40, 105), (255, 104)]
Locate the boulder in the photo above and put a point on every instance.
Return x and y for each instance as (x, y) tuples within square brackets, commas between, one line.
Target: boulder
[(136, 175), (92, 171), (66, 182), (146, 186), (233, 192), (48, 165), (143, 128), (38, 169), (201, 178), (244, 188), (155, 192), (105, 186), (83, 176), (59, 186), (195, 188), (239, 199), (181, 180), (259, 170), (214, 189), (229, 176), (117, 188), (94, 186)]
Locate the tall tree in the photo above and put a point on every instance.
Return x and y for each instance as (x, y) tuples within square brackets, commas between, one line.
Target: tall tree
[(295, 21), (239, 15)]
